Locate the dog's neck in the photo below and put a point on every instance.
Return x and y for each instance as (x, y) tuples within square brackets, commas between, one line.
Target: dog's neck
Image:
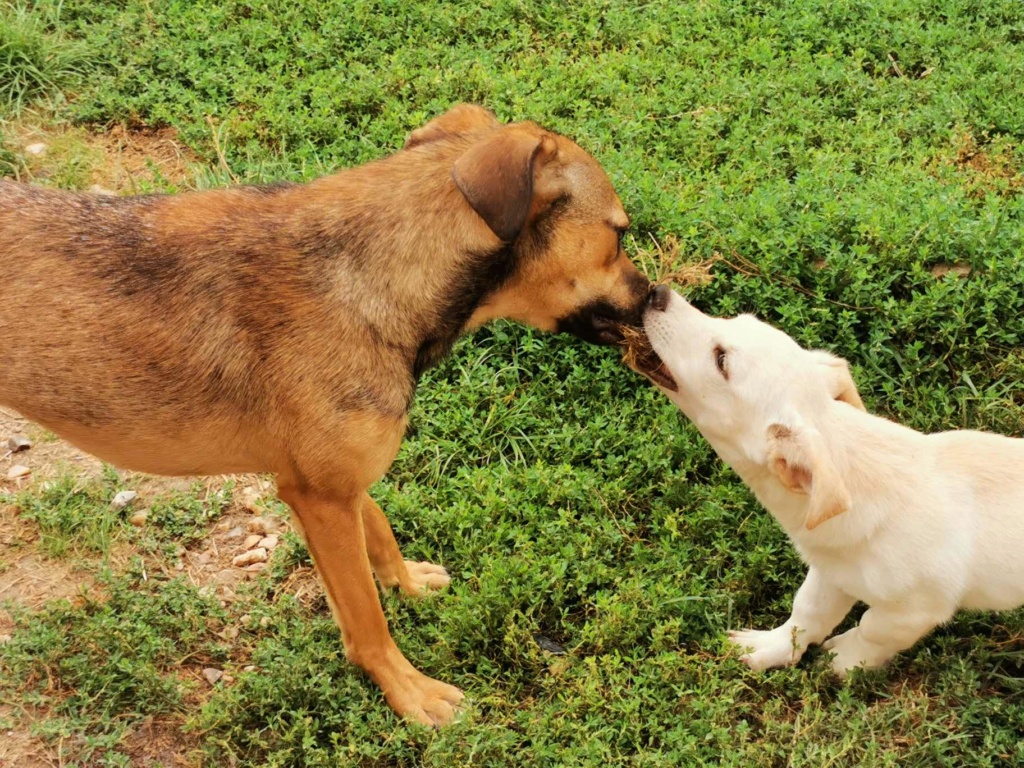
[(423, 271), (878, 461)]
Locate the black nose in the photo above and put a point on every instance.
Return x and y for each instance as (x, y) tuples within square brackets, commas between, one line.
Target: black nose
[(659, 297)]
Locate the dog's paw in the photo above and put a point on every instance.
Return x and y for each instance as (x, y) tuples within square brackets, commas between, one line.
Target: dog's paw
[(849, 652), (767, 649), (421, 699), (424, 577)]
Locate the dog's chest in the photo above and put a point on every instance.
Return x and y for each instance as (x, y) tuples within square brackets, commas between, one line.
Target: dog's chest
[(861, 572)]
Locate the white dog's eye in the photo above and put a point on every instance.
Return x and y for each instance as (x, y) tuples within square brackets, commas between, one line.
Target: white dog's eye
[(720, 362)]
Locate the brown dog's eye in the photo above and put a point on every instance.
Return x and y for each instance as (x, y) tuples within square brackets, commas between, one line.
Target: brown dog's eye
[(720, 362), (620, 233)]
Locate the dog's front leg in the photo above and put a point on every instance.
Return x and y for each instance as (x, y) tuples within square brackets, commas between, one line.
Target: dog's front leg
[(332, 523), (884, 631), (817, 608), (386, 558)]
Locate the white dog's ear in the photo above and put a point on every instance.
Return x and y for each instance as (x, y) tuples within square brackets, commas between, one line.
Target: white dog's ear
[(801, 462), (840, 382)]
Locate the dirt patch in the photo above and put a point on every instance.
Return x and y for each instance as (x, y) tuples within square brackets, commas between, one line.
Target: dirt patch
[(118, 161), (984, 165), (18, 747), (160, 742), (47, 457), (26, 577)]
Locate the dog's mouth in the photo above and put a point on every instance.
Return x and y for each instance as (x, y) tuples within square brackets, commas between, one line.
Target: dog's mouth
[(639, 355)]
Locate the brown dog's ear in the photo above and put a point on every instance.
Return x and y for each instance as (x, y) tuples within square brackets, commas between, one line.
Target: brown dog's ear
[(801, 463), (498, 177), (462, 118), (840, 382)]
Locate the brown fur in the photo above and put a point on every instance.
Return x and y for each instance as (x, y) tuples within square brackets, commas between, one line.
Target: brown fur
[(282, 329)]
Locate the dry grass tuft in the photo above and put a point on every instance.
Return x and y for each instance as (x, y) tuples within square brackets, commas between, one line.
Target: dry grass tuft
[(669, 268)]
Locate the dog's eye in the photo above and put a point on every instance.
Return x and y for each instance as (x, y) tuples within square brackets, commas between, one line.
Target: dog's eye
[(720, 362)]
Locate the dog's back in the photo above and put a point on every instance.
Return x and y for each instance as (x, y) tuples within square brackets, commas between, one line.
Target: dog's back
[(148, 328), (989, 470)]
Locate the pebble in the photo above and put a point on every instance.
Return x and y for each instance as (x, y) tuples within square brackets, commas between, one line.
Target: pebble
[(139, 518), (212, 675), (234, 533), (249, 499), (123, 499), (260, 525), (258, 555), (16, 443), (229, 633), (18, 471), (36, 149), (268, 542), (256, 567), (251, 541), (249, 668), (96, 189)]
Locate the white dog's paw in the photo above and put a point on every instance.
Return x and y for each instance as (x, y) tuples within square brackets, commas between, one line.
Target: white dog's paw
[(850, 652), (767, 649)]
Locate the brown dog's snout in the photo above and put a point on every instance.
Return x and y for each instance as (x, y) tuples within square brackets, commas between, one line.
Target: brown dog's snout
[(658, 300)]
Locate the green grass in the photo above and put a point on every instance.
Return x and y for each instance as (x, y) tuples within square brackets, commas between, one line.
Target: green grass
[(36, 58), (832, 153)]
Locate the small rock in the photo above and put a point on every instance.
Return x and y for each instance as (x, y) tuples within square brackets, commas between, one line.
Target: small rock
[(212, 675), (264, 621), (139, 518), (18, 471), (96, 189), (226, 592), (204, 557), (549, 645), (249, 499), (228, 679), (268, 542), (234, 533), (258, 555), (246, 620), (255, 567), (36, 149), (17, 443), (229, 633), (123, 499), (249, 668), (251, 541), (260, 525)]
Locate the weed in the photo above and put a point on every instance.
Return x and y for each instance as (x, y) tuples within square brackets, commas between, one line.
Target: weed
[(36, 58)]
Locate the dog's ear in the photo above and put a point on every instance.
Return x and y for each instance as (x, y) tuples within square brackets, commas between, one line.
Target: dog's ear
[(501, 177), (462, 118), (840, 382), (797, 457)]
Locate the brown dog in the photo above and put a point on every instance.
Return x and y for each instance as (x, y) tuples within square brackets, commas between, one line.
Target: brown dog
[(282, 329)]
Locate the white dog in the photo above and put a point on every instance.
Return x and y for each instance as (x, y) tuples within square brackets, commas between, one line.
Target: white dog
[(914, 525)]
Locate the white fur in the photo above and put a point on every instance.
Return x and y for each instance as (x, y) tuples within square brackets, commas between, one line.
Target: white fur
[(914, 525)]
